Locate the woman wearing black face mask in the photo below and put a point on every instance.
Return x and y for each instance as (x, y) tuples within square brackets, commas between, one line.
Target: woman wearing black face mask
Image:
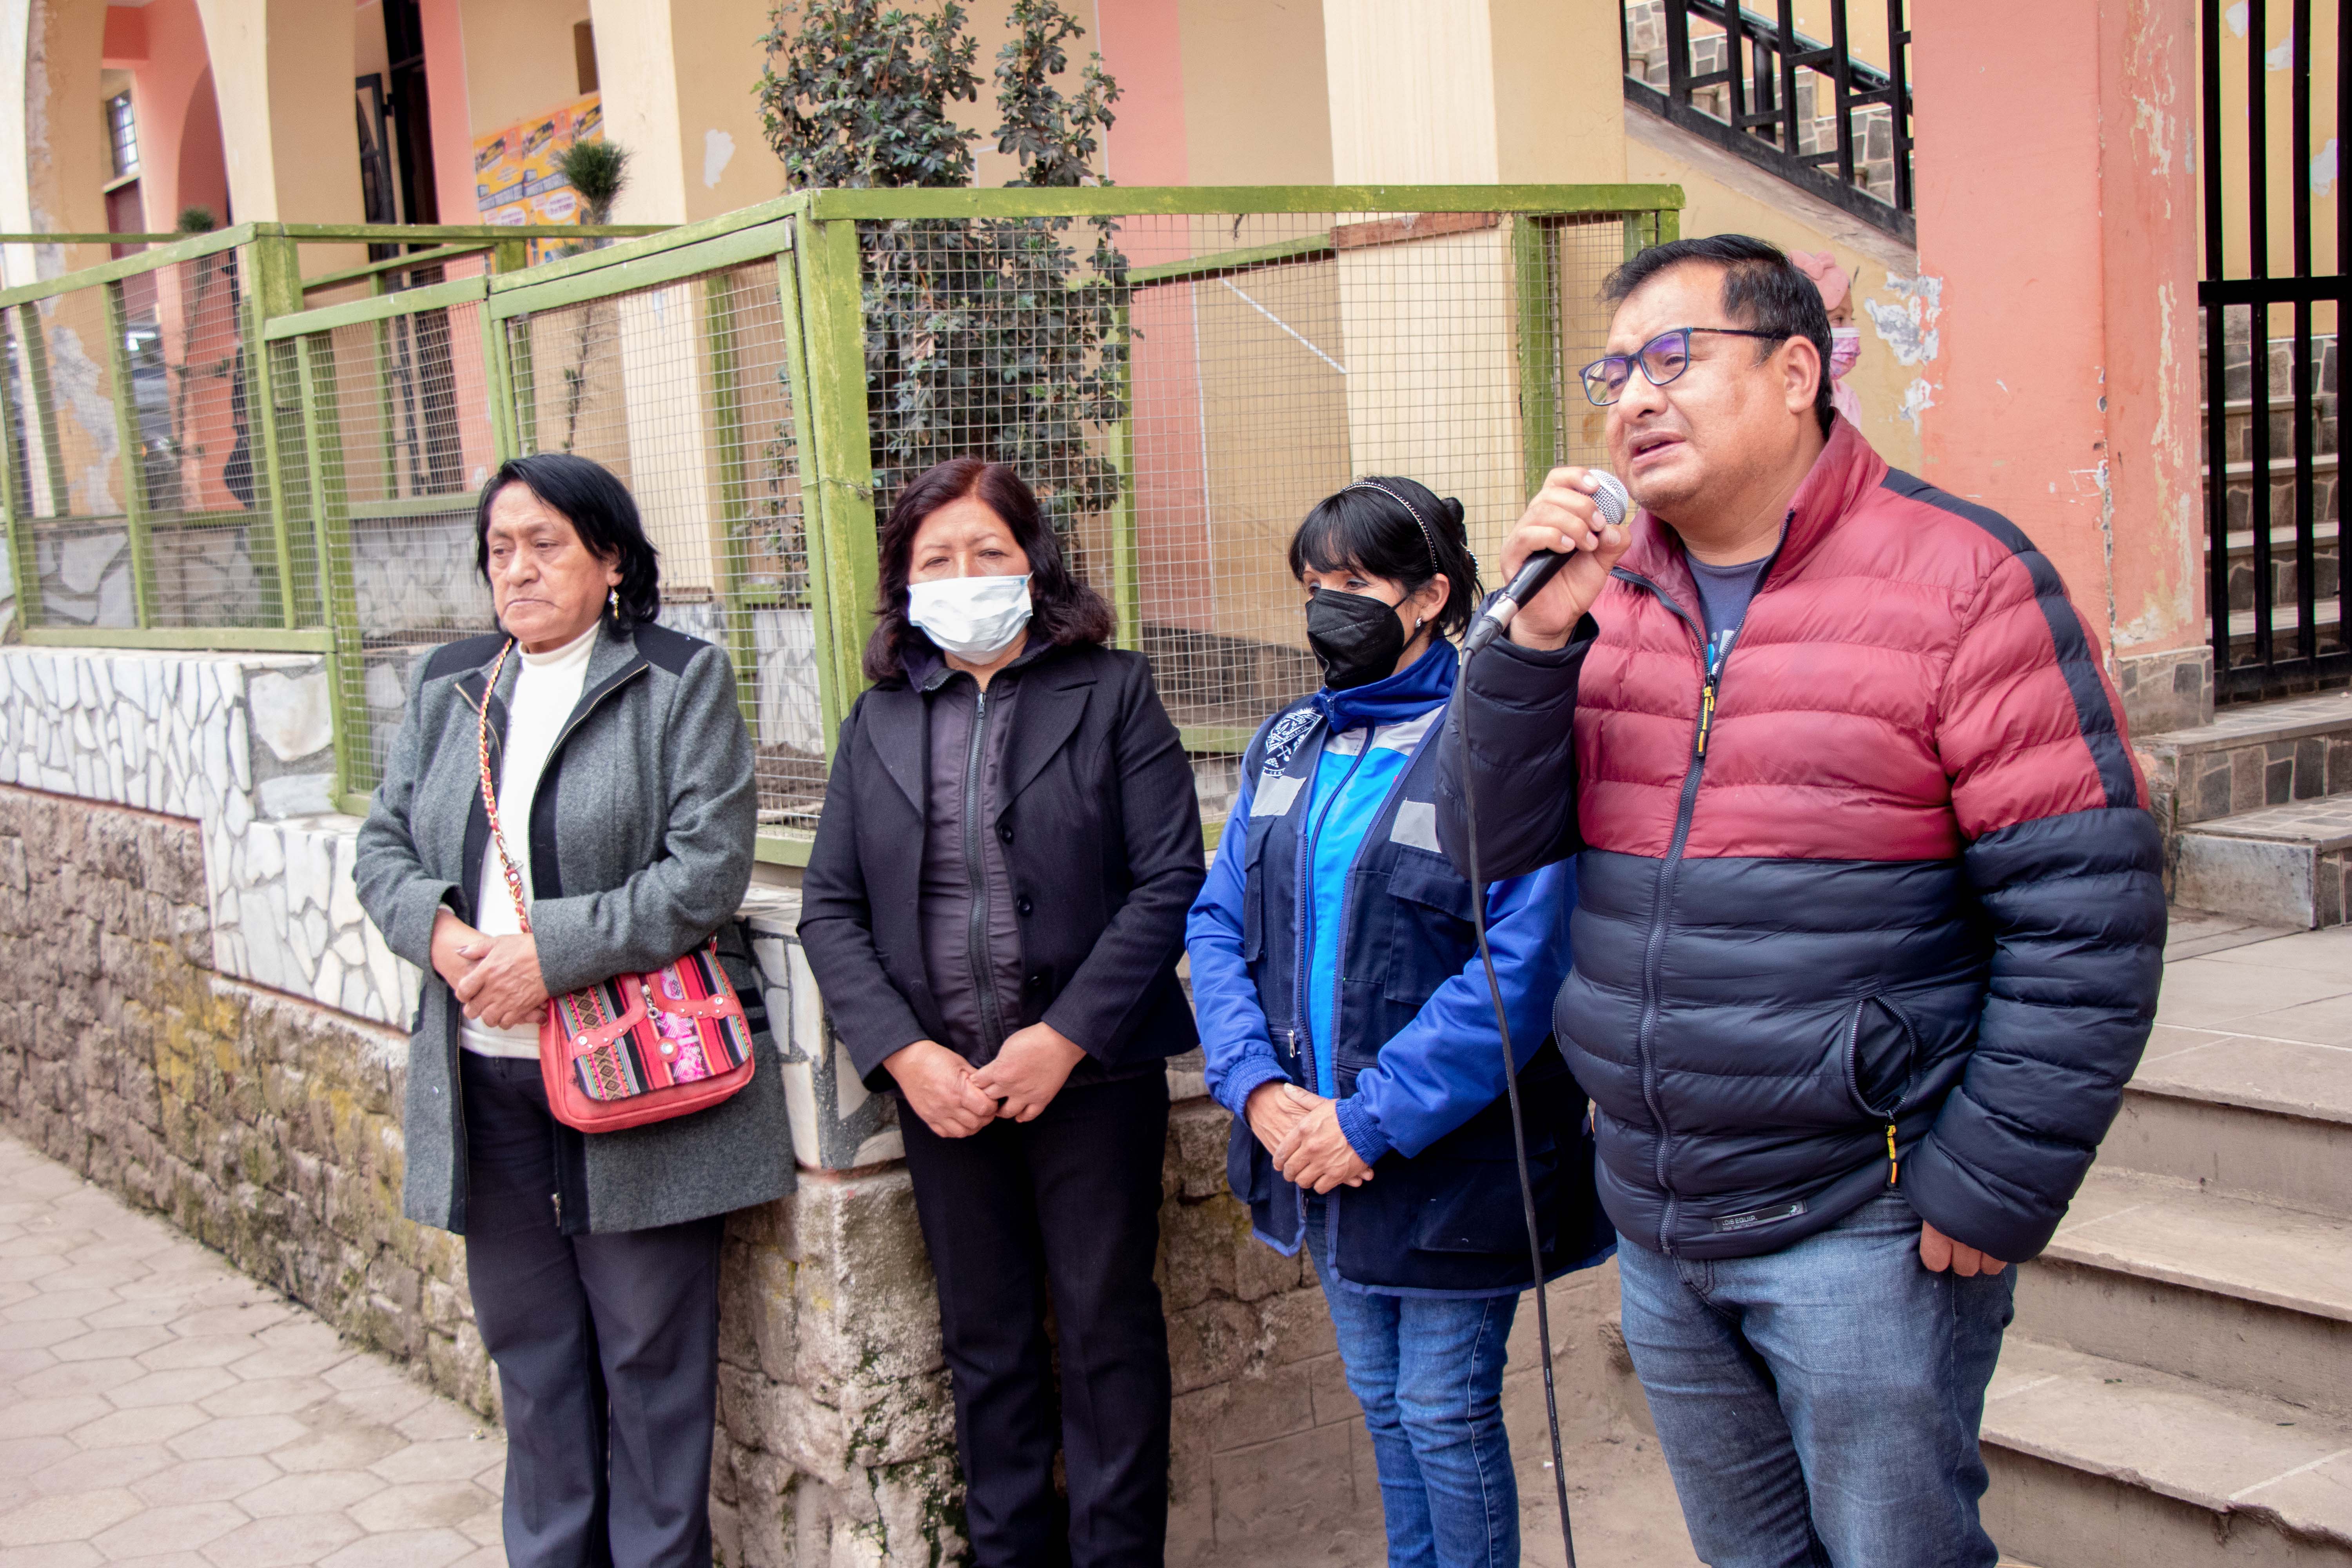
[(1347, 1026)]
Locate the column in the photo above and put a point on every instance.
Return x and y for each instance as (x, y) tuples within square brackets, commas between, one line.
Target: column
[(2057, 213)]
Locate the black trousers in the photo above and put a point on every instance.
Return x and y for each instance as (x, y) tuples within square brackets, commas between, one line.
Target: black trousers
[(606, 1346), (1068, 1204)]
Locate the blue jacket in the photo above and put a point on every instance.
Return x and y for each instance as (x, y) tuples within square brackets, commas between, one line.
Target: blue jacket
[(1332, 948)]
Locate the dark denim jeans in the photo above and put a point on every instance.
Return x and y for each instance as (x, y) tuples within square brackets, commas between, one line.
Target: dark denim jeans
[(1818, 1405), (1429, 1373)]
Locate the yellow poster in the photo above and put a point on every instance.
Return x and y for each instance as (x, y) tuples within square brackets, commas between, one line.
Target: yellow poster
[(514, 169)]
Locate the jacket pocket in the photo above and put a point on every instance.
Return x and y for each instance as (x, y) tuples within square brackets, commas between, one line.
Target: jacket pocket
[(1882, 1051), (1430, 932), (1255, 891)]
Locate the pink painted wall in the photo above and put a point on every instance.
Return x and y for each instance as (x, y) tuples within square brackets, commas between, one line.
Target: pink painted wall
[(2056, 233), (180, 158), (1142, 47)]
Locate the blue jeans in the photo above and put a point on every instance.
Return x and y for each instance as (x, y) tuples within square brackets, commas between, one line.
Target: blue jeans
[(1818, 1405), (1428, 1372)]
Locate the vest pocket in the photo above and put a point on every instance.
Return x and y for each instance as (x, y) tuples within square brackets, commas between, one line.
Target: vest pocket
[(1431, 937), (1254, 892)]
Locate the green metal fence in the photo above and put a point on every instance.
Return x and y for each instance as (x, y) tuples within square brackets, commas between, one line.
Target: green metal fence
[(208, 449)]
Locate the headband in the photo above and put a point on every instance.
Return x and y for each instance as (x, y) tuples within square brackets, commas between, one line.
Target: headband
[(1427, 538)]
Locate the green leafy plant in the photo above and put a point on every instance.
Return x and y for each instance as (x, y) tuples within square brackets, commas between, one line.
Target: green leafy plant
[(195, 220), (596, 170), (994, 336)]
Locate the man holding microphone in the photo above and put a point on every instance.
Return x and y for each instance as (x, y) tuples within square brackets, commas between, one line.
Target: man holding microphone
[(1870, 915)]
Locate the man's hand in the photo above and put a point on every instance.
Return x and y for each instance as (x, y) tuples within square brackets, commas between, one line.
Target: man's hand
[(1273, 1110), (1562, 518), (504, 988), (451, 939), (938, 1085), (1029, 1070), (1317, 1155), (1939, 1252)]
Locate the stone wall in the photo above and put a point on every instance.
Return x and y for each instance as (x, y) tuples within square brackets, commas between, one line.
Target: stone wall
[(250, 1089)]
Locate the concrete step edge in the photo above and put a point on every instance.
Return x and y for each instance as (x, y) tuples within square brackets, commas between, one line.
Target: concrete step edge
[(2107, 1397), (2249, 1101), (2309, 716), (2183, 1209)]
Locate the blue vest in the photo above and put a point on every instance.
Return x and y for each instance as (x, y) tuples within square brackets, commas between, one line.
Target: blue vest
[(1449, 1220)]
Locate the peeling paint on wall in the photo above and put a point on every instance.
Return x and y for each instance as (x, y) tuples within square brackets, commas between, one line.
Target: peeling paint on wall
[(1909, 325), (1917, 398)]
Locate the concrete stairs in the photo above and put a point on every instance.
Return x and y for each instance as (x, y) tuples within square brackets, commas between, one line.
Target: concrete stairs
[(2178, 1387), (2258, 810)]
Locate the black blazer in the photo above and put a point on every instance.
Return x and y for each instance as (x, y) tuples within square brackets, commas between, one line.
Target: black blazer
[(1101, 830)]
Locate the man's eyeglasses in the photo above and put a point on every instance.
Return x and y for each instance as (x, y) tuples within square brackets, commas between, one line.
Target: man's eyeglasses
[(1662, 359)]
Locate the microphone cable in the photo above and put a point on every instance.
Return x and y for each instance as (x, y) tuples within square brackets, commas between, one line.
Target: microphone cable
[(1511, 1090)]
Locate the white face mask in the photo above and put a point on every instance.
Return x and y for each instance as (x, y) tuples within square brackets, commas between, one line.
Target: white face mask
[(972, 617), (1845, 347)]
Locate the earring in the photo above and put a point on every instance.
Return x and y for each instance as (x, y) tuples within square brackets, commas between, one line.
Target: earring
[(614, 599)]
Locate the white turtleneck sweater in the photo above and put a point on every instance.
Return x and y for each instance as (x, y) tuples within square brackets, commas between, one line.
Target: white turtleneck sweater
[(546, 688)]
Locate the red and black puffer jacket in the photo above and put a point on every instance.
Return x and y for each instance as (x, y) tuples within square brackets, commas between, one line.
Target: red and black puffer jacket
[(1883, 903)]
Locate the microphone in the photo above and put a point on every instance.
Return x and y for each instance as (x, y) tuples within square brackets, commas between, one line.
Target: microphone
[(1610, 500)]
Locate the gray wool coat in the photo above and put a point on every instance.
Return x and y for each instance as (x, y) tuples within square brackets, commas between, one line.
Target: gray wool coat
[(641, 848)]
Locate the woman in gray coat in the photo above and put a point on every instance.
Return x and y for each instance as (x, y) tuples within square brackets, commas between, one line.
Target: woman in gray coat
[(627, 804)]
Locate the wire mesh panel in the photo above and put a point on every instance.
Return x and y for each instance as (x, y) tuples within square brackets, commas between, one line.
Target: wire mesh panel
[(201, 477), (401, 426), (684, 390), (70, 457), (1181, 390)]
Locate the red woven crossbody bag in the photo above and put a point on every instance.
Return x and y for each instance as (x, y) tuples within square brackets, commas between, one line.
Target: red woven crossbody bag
[(637, 1047)]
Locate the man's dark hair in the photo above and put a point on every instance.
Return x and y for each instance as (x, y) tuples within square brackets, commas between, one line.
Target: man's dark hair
[(1061, 608), (601, 511), (1385, 526), (1762, 291)]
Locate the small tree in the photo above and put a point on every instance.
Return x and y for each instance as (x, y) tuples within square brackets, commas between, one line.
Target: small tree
[(989, 335)]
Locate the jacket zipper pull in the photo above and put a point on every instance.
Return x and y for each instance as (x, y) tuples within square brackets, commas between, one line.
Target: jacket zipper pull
[(1893, 1165), (1705, 715)]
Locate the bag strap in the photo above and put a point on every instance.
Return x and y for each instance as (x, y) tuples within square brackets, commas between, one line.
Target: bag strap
[(490, 793)]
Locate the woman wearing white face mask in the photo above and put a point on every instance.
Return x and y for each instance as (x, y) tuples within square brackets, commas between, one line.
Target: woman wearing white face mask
[(994, 907), (1845, 338)]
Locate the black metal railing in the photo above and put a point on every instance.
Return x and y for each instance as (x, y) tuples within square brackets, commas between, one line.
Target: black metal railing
[(1832, 125), (2275, 595)]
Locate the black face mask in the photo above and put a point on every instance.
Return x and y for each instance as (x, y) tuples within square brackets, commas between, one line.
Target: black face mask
[(1356, 637)]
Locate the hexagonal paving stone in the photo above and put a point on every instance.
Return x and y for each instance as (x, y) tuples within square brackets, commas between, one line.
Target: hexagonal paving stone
[(207, 1480), (75, 1472), (228, 1437), (65, 1516), (125, 1428), (94, 1344), (340, 1448), (85, 1305), (202, 1350), (284, 1540), (267, 1396), (404, 1549), (180, 1385), (181, 1528), (70, 1377), (426, 1504), (45, 1417), (447, 1459), (311, 1492)]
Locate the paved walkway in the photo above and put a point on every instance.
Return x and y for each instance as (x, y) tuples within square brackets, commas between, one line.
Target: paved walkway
[(158, 1408)]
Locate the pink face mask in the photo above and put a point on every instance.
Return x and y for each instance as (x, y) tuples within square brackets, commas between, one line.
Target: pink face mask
[(1845, 347)]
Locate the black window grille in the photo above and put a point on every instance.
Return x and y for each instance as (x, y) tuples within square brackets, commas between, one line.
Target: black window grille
[(1831, 116), (2271, 295)]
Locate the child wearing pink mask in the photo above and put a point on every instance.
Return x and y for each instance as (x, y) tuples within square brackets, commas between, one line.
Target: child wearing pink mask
[(1845, 338)]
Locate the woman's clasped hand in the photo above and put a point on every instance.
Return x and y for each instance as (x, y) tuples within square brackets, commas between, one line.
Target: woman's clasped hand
[(496, 978)]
